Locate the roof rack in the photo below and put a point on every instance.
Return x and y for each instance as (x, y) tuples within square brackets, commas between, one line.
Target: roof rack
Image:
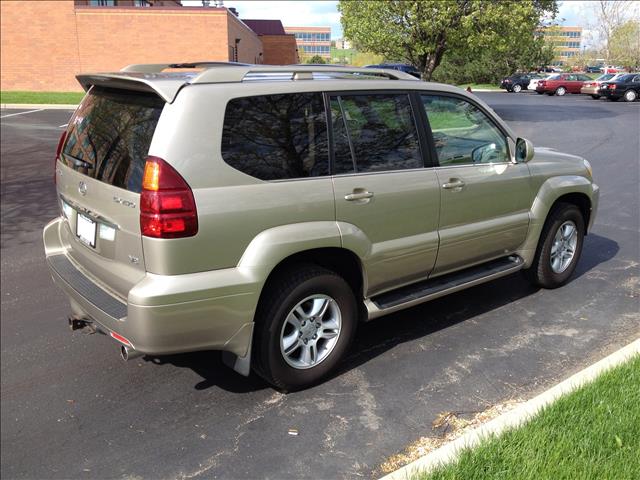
[(230, 72)]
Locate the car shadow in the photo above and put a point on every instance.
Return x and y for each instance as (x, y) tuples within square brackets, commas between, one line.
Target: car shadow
[(378, 336)]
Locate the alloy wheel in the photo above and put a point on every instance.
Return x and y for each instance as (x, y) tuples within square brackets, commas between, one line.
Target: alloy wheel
[(564, 245), (310, 331)]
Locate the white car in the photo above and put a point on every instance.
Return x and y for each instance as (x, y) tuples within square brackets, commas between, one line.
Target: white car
[(534, 82)]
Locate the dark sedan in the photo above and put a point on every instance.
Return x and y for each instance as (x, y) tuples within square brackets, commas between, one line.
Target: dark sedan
[(626, 86), (518, 81)]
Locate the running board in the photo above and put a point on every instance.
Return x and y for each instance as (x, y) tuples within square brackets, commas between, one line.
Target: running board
[(416, 293)]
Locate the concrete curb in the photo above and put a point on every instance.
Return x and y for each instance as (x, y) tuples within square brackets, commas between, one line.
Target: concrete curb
[(516, 417), (30, 106)]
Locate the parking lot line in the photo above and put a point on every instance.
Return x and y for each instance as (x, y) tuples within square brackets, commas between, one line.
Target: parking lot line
[(61, 126), (22, 113)]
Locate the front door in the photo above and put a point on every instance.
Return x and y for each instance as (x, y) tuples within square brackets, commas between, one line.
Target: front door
[(387, 202), (485, 197)]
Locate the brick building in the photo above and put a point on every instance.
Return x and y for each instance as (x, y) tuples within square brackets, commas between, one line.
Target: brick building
[(312, 41), (279, 47), (45, 44)]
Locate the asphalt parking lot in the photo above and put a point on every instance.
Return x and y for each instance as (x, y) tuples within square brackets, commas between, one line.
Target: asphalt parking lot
[(72, 409)]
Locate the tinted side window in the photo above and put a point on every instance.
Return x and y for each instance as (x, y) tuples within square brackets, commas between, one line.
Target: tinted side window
[(374, 133), (276, 137), (462, 133)]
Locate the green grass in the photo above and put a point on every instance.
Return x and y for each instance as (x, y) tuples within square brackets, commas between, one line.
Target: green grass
[(592, 433), (479, 86), (71, 98)]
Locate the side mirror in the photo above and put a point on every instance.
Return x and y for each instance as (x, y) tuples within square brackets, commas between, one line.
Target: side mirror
[(524, 150)]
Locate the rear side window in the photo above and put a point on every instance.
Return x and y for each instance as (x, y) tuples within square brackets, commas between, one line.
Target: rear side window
[(109, 136), (277, 137), (374, 133)]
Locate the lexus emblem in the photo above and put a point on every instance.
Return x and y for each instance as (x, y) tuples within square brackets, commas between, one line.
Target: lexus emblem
[(82, 188)]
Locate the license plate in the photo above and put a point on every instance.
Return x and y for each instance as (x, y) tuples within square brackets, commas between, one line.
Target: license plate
[(86, 230)]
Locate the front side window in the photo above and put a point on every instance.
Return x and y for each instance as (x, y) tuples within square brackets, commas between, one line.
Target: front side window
[(276, 137), (462, 133), (374, 133)]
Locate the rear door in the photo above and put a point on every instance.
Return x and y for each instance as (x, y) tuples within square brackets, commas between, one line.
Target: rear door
[(385, 198), (485, 197), (99, 179)]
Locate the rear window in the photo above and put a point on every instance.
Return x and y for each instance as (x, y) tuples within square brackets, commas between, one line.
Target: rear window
[(108, 137), (277, 137)]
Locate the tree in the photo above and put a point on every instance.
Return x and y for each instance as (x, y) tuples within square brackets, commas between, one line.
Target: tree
[(316, 59), (421, 32), (624, 46), (609, 15)]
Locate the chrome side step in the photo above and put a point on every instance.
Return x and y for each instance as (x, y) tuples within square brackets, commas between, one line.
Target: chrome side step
[(416, 293)]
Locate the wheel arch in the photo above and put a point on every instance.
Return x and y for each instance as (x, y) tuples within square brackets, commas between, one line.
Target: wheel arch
[(575, 190)]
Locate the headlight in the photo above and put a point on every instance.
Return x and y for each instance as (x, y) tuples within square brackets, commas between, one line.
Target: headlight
[(587, 165)]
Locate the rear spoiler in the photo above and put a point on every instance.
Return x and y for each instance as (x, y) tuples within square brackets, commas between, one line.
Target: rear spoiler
[(166, 87)]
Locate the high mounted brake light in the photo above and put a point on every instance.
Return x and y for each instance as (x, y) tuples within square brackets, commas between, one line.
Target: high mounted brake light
[(167, 206)]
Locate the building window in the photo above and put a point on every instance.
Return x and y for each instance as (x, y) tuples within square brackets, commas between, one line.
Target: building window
[(102, 3)]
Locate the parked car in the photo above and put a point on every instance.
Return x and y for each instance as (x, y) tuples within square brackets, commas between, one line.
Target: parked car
[(518, 81), (402, 67), (562, 83), (611, 69), (625, 86), (592, 87), (533, 84), (220, 210), (593, 69), (550, 69)]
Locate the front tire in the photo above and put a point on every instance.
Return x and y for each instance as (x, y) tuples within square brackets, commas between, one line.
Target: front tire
[(304, 325), (559, 247), (595, 97)]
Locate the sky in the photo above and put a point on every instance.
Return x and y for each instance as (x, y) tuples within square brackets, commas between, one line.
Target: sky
[(325, 13)]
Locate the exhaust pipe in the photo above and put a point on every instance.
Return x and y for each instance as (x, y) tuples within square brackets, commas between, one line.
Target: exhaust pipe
[(128, 353)]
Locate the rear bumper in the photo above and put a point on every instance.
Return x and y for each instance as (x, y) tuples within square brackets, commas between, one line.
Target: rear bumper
[(590, 90), (163, 314)]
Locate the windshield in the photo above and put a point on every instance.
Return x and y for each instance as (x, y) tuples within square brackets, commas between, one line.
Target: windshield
[(606, 76), (553, 77)]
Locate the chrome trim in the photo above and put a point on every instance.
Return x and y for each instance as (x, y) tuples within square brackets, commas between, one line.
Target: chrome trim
[(85, 211)]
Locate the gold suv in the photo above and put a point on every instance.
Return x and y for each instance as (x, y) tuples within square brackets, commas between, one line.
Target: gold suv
[(266, 211)]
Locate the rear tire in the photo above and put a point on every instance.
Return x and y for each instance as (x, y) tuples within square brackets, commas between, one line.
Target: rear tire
[(551, 267), (287, 321), (539, 93), (517, 88), (560, 91), (630, 96)]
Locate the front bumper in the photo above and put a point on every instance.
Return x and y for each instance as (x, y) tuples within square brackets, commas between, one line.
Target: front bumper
[(162, 314)]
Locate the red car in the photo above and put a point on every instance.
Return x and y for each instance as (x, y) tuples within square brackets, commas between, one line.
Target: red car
[(562, 83)]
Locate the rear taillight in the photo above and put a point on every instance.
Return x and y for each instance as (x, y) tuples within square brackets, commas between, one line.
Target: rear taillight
[(63, 137), (167, 206), (612, 87)]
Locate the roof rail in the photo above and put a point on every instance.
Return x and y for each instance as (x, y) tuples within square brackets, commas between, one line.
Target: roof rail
[(229, 72), (294, 72)]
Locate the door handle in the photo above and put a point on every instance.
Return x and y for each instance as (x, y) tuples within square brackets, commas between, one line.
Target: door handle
[(358, 196), (453, 183)]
